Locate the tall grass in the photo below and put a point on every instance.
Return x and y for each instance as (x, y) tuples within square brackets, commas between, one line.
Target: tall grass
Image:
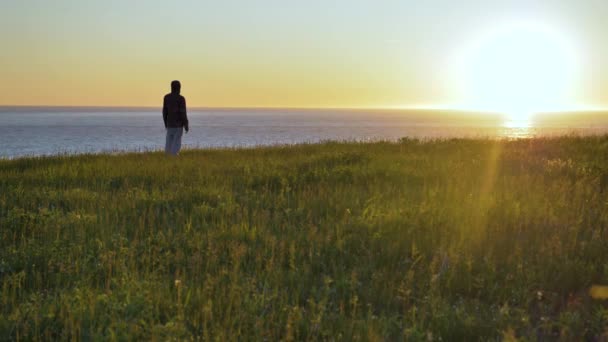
[(452, 240)]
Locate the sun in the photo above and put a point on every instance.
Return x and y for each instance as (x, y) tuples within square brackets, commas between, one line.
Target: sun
[(520, 70)]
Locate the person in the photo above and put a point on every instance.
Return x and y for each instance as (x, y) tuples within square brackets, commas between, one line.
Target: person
[(175, 117)]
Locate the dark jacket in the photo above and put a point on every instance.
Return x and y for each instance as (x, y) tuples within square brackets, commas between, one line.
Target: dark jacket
[(174, 111)]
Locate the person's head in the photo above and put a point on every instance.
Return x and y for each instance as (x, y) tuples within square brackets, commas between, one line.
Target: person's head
[(176, 87)]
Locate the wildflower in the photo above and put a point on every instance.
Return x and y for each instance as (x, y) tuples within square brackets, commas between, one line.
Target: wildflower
[(539, 295), (598, 292)]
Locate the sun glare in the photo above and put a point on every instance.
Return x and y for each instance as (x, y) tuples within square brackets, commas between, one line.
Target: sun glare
[(518, 71)]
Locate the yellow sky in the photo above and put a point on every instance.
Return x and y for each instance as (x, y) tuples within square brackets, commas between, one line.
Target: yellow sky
[(279, 54)]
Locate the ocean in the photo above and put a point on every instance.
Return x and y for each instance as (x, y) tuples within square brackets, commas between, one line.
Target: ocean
[(37, 131)]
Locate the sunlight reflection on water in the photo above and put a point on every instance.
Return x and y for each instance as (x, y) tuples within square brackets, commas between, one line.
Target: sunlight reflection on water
[(517, 130)]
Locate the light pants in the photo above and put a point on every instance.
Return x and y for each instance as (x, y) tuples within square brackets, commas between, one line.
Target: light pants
[(174, 140)]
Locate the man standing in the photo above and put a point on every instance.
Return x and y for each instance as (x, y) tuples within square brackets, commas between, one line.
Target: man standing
[(175, 117)]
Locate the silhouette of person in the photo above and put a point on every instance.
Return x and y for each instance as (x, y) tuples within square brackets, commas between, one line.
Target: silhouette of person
[(175, 117)]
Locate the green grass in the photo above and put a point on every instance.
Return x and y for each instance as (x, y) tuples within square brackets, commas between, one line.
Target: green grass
[(453, 240)]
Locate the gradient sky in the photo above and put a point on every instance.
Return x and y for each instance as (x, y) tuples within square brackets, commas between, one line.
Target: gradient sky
[(275, 53)]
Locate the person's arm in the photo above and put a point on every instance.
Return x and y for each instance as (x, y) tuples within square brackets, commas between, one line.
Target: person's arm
[(184, 114), (165, 111)]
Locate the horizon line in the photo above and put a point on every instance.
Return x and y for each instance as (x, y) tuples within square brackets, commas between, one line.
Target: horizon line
[(345, 108)]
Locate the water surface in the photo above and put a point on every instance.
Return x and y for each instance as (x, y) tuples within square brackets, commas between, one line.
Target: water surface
[(46, 131)]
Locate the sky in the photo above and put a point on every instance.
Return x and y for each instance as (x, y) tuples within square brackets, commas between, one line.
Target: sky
[(528, 54)]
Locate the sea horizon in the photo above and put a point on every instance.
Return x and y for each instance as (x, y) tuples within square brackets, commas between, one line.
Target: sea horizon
[(51, 130)]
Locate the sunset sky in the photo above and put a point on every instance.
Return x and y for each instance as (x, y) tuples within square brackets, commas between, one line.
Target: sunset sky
[(496, 55)]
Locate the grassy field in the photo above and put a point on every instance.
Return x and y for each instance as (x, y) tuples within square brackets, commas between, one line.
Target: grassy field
[(442, 240)]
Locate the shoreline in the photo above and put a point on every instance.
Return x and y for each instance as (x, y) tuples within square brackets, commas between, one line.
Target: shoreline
[(190, 149)]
